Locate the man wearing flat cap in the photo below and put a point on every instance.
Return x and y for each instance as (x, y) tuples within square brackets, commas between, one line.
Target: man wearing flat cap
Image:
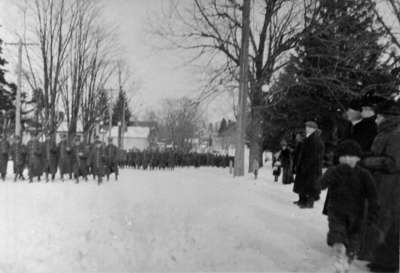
[(309, 167)]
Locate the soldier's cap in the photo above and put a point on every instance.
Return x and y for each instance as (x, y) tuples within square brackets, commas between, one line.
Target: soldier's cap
[(311, 124), (372, 101)]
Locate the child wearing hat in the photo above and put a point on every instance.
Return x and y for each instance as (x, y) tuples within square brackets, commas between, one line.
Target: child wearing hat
[(349, 186)]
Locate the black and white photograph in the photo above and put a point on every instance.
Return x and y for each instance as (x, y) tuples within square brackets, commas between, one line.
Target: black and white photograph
[(199, 136)]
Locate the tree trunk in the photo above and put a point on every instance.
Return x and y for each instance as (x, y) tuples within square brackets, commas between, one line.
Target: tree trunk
[(255, 136)]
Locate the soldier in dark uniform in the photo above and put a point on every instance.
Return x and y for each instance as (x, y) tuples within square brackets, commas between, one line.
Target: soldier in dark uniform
[(65, 154), (111, 159), (4, 151), (80, 154), (171, 160), (50, 157), (98, 157), (35, 158), (18, 155)]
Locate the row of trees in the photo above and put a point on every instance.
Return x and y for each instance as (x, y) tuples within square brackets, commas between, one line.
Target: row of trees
[(307, 58), (73, 66)]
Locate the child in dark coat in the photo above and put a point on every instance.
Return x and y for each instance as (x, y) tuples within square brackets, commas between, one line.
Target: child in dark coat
[(349, 186)]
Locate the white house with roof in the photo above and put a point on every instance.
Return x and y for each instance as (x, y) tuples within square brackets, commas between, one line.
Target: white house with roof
[(63, 129), (135, 137)]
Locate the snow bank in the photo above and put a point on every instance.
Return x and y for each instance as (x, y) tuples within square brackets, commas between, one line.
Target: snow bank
[(186, 220)]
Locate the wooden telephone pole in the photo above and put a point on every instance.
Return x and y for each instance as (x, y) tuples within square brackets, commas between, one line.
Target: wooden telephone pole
[(243, 91), (20, 44)]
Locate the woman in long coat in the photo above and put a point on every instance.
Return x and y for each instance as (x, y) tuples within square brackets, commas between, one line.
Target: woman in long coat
[(4, 151), (384, 163)]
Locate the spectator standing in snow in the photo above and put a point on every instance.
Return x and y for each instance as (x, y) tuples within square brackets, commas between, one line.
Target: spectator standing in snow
[(285, 157), (309, 167), (349, 186), (384, 163), (363, 130)]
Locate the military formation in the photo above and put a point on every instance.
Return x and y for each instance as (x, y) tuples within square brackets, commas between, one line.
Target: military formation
[(154, 159), (73, 159)]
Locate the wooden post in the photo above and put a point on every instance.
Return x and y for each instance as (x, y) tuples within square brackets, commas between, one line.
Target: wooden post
[(243, 90)]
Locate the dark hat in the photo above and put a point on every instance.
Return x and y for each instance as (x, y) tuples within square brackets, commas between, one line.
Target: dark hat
[(349, 147), (371, 100), (311, 124), (355, 104), (389, 108)]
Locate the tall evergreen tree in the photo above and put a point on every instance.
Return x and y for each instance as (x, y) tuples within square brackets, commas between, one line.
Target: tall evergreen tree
[(338, 58), (7, 94), (118, 108)]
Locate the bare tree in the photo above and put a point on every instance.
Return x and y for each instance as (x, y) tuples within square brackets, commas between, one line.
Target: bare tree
[(181, 118), (76, 59), (388, 16), (212, 28), (51, 23)]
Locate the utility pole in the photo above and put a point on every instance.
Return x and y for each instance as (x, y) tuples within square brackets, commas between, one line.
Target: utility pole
[(20, 44), (122, 127), (243, 90)]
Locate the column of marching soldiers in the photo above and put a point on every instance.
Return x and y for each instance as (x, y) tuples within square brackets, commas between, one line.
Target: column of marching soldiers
[(76, 159), (154, 159)]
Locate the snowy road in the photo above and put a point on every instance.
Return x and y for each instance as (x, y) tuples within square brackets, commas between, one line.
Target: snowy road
[(187, 220)]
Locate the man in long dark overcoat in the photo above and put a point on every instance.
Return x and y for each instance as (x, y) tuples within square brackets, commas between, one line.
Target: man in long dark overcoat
[(19, 158), (309, 167), (384, 163), (65, 157), (4, 153), (111, 159), (50, 157), (35, 158)]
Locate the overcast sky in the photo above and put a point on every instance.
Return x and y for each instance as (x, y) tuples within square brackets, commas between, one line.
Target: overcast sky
[(160, 73)]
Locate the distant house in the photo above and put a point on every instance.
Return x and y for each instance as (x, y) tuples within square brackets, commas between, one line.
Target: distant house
[(63, 129), (224, 142), (135, 137)]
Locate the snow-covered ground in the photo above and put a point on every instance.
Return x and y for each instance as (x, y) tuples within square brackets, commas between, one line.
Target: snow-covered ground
[(186, 220)]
